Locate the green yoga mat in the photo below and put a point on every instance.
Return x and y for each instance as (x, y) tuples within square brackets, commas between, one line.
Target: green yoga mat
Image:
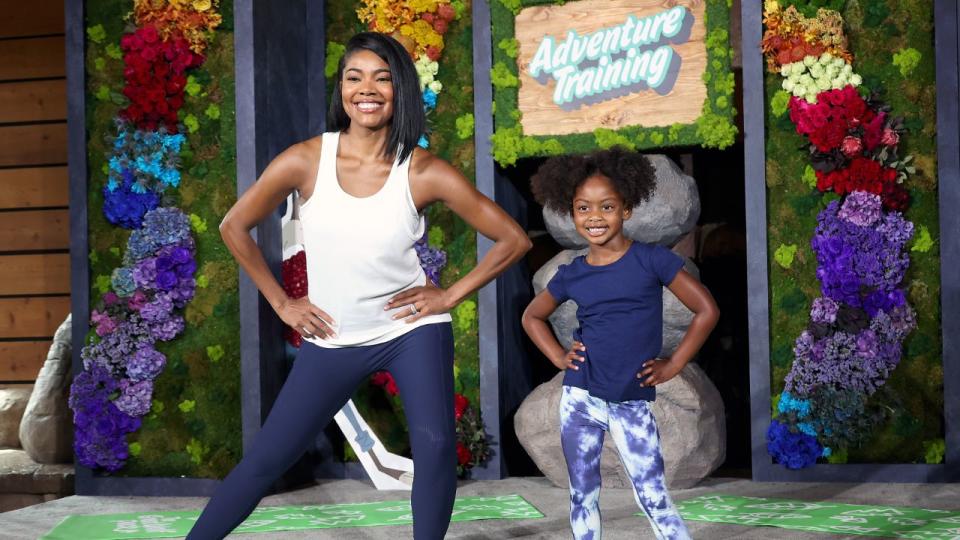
[(284, 518), (825, 517)]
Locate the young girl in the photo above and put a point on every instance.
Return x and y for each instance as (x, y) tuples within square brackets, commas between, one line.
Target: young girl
[(612, 370)]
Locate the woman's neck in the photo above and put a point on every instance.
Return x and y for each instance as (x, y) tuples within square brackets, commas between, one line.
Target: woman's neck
[(364, 144)]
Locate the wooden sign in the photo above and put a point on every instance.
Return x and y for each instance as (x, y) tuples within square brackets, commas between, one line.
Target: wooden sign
[(610, 64)]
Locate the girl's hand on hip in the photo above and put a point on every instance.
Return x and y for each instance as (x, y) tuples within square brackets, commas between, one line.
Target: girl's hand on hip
[(572, 357), (306, 318), (412, 304), (658, 371)]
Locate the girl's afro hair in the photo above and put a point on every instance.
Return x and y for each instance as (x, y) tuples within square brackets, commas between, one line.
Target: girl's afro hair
[(556, 181)]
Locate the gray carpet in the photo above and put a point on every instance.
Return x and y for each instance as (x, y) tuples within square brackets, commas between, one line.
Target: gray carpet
[(617, 505)]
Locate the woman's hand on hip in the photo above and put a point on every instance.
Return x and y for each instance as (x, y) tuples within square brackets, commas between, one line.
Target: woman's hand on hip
[(306, 318), (412, 304)]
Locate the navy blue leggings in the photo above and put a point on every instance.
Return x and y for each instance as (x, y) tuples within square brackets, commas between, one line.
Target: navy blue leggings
[(320, 383)]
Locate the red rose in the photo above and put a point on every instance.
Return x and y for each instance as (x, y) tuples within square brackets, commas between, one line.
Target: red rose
[(440, 25), (427, 17), (460, 404), (464, 456), (851, 146), (433, 53), (385, 380), (890, 137)]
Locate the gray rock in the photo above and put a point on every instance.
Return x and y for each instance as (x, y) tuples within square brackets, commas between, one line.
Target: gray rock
[(671, 211), (690, 419), (676, 316), (46, 431), (13, 401)]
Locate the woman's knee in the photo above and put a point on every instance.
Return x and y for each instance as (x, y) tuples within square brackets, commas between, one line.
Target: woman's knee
[(432, 445)]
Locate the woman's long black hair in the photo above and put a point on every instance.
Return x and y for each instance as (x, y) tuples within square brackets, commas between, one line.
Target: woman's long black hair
[(409, 121)]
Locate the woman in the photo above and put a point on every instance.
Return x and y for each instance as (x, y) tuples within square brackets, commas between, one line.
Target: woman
[(369, 305)]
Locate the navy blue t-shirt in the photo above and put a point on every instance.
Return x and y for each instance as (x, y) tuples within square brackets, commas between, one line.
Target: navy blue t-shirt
[(620, 311)]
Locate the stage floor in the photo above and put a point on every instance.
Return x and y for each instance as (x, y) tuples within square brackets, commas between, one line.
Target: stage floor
[(617, 505)]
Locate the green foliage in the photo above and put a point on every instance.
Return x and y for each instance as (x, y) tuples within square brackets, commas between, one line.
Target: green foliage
[(96, 33), (502, 77), (934, 451), (510, 46), (922, 241), (810, 7), (513, 5), (607, 138), (784, 255), (716, 131), (193, 125), (465, 126), (810, 177), (335, 52), (435, 237), (465, 315), (780, 102), (907, 60)]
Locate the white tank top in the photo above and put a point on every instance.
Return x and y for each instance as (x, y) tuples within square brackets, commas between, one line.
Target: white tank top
[(360, 253)]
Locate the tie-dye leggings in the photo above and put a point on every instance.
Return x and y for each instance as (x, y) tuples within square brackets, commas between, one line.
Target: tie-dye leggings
[(583, 420)]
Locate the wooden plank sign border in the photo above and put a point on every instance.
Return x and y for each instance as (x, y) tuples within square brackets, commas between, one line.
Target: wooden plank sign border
[(579, 75)]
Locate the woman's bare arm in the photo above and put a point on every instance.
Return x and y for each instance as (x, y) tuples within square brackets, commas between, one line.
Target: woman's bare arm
[(433, 179), (288, 171)]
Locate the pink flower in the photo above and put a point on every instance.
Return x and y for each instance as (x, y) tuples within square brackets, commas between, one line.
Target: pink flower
[(851, 146), (890, 137), (105, 324), (110, 298), (137, 301)]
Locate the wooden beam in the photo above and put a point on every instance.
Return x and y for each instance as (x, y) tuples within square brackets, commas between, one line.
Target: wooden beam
[(34, 230), (33, 187), (33, 101), (32, 58), (37, 144), (47, 273), (36, 17), (20, 361), (32, 317)]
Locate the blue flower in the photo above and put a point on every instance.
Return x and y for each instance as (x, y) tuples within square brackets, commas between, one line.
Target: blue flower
[(792, 450), (429, 98), (423, 142)]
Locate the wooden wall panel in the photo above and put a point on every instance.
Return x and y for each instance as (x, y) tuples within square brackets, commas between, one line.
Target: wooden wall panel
[(34, 230), (33, 18), (32, 317), (32, 58), (33, 101), (47, 273), (36, 144), (20, 361), (34, 187)]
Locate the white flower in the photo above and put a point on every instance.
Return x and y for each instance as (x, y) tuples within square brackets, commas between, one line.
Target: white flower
[(831, 72), (817, 71), (806, 80), (809, 60), (436, 87), (825, 58), (823, 84), (840, 62), (811, 97), (838, 83), (856, 79), (797, 68), (799, 90), (788, 84), (785, 70), (847, 69)]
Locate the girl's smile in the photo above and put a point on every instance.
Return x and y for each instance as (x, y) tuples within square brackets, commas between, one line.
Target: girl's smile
[(599, 213)]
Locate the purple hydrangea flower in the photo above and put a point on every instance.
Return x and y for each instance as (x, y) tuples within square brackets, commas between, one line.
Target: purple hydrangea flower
[(861, 208)]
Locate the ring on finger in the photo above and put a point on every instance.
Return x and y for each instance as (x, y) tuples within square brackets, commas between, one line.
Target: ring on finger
[(413, 309)]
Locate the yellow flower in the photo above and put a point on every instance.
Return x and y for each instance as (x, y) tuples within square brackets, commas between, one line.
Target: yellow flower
[(201, 5)]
